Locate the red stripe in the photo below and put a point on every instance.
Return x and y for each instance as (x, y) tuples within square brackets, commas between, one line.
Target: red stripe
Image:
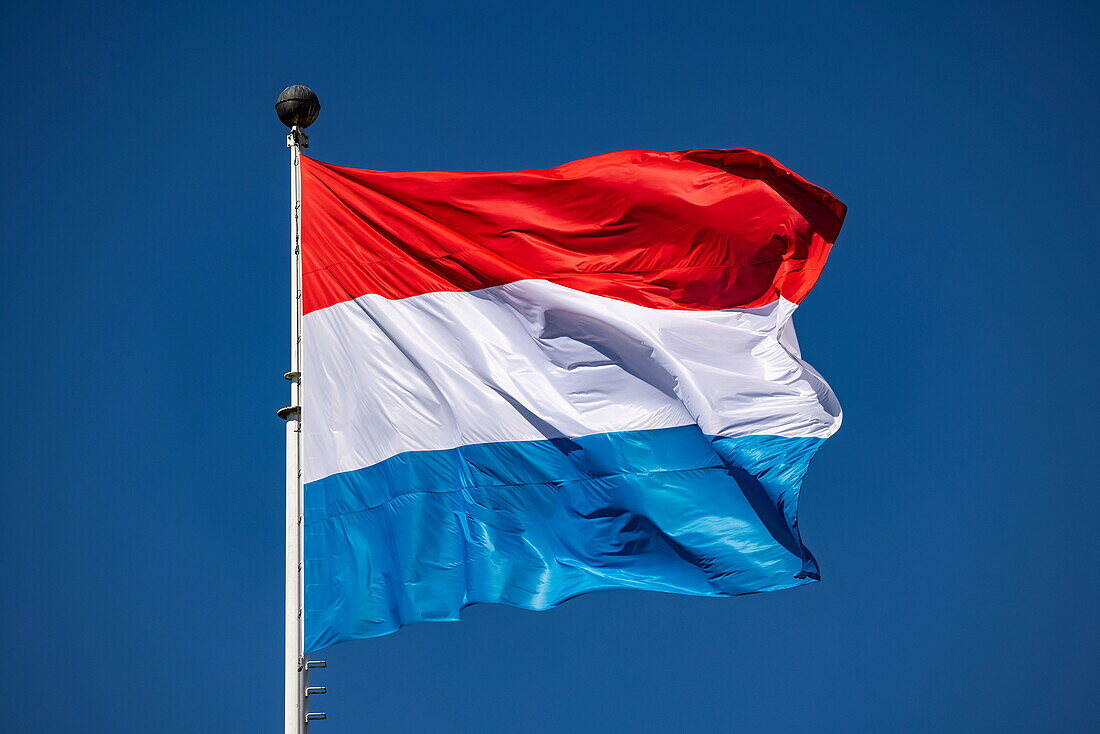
[(697, 230)]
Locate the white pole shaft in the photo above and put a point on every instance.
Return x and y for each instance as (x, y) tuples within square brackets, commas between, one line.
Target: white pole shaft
[(296, 673)]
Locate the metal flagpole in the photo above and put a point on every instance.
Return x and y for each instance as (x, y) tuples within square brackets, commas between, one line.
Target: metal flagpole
[(297, 107)]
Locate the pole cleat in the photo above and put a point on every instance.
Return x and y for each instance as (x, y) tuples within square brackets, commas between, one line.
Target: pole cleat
[(316, 690), (311, 664), (318, 716)]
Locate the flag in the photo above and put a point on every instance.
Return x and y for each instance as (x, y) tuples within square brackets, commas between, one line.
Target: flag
[(523, 386)]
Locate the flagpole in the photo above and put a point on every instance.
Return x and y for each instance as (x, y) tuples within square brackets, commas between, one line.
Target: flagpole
[(297, 108)]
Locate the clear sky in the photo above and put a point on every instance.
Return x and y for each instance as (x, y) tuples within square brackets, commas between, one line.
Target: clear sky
[(144, 221)]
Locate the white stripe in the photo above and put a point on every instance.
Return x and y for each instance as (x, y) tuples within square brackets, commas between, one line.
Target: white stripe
[(533, 360)]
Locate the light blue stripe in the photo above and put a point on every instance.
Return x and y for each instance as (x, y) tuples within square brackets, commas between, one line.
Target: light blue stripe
[(421, 535)]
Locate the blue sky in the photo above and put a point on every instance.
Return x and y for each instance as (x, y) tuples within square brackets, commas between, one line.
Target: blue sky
[(144, 248)]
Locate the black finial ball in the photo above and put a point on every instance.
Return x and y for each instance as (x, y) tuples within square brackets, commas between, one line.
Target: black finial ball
[(297, 106)]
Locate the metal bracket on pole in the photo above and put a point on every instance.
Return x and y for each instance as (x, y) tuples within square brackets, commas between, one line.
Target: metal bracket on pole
[(316, 716), (297, 137), (290, 412)]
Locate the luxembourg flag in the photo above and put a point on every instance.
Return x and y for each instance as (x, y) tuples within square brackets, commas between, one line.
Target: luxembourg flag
[(523, 386)]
